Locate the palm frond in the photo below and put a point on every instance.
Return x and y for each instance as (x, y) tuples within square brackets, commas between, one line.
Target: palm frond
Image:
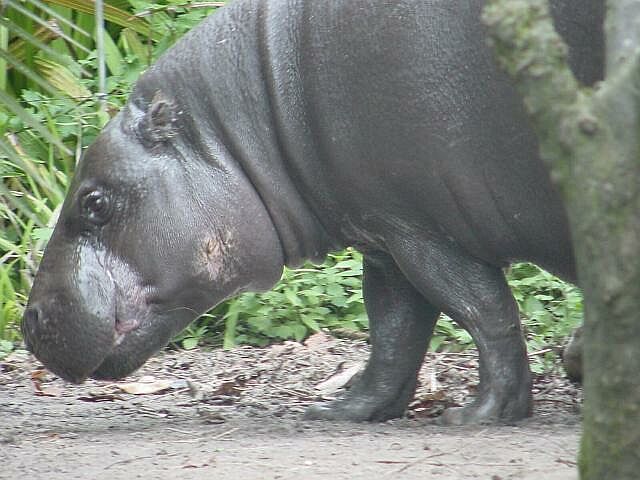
[(40, 45), (55, 20), (111, 14), (13, 62)]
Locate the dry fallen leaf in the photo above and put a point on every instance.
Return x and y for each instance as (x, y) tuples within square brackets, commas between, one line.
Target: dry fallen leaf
[(37, 378), (211, 415), (430, 404), (47, 391), (318, 340), (229, 387), (145, 387), (338, 380), (38, 375)]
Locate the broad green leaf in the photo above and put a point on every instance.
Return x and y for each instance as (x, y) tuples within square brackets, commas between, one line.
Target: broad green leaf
[(436, 342), (532, 305), (311, 323), (292, 296), (61, 78), (299, 332), (42, 234), (189, 343), (281, 331), (231, 322), (113, 57), (133, 45)]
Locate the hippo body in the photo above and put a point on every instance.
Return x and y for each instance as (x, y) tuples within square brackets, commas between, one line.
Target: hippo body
[(279, 130)]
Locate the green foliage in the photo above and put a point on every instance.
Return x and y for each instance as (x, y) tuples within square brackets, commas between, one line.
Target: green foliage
[(448, 337), (195, 334), (330, 296), (34, 175), (550, 310), (10, 308), (304, 301)]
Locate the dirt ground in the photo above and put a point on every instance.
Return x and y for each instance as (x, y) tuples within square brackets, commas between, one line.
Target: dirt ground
[(237, 415)]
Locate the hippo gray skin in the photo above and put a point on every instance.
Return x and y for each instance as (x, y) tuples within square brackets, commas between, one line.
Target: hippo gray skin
[(279, 130)]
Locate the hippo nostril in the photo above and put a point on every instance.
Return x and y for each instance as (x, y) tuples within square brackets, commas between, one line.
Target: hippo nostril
[(31, 322), (34, 319), (32, 315)]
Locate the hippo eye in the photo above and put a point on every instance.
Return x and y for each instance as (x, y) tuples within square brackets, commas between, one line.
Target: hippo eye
[(96, 207)]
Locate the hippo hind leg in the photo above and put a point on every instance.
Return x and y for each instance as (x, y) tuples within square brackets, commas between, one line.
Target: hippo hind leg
[(401, 323), (476, 295)]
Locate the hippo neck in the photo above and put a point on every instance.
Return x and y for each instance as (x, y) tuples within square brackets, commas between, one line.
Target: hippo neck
[(302, 236), (229, 94), (259, 132)]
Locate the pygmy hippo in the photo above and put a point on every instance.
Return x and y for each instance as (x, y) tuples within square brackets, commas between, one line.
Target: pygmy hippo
[(279, 130)]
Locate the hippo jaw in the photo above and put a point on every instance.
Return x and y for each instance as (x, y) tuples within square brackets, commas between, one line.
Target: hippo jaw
[(92, 314), (77, 345), (83, 323), (104, 320)]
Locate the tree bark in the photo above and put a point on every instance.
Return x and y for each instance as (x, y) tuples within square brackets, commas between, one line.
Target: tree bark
[(623, 32), (589, 139)]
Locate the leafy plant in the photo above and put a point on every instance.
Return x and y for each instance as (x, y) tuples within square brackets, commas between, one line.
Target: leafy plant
[(448, 337), (304, 301), (550, 308), (9, 310), (195, 334)]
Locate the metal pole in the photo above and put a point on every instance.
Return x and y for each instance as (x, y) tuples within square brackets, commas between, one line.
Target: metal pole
[(102, 94)]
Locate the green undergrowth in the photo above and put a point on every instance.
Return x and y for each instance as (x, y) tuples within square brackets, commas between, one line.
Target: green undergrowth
[(549, 308)]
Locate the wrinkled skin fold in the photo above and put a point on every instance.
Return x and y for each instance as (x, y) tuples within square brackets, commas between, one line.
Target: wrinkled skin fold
[(279, 130)]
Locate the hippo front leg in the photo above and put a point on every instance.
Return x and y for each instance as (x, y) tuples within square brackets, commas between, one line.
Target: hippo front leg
[(476, 295), (401, 322)]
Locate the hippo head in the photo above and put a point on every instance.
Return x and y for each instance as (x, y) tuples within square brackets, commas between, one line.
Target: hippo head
[(159, 224)]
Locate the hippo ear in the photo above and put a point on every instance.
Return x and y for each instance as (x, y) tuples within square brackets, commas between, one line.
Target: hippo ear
[(158, 124)]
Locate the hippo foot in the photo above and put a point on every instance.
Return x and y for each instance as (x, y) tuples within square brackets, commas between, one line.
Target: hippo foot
[(489, 411), (354, 409), (572, 356)]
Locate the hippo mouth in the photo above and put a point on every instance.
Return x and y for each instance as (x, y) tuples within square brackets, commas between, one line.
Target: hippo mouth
[(125, 321), (135, 337), (142, 324), (132, 307), (104, 318), (123, 327), (96, 336), (135, 340)]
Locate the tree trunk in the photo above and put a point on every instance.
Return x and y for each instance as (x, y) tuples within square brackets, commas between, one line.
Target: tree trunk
[(590, 140)]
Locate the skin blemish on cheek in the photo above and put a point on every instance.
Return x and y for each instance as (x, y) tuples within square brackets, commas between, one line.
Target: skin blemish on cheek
[(212, 259), (212, 248)]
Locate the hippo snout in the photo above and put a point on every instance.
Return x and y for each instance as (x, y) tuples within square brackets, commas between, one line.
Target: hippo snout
[(37, 325), (82, 336), (72, 346)]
